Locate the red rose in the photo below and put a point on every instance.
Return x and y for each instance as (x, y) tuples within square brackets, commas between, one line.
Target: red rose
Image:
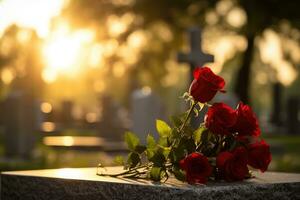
[(196, 167), (232, 166), (205, 84), (246, 124), (259, 155), (220, 119)]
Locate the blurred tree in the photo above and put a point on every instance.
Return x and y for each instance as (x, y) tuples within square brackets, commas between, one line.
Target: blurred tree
[(148, 36), (177, 16), (261, 14), (141, 37), (20, 61)]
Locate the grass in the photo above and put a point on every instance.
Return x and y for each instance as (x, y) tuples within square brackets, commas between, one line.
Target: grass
[(285, 152)]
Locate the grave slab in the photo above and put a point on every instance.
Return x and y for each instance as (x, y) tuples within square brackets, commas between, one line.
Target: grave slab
[(83, 183)]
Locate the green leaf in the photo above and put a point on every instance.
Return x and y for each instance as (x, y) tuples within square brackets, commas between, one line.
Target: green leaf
[(185, 146), (119, 160), (201, 105), (175, 136), (175, 133), (233, 144), (158, 159), (165, 151), (188, 130), (205, 136), (133, 159), (140, 149), (198, 133), (208, 141), (132, 140), (185, 95), (150, 153), (177, 120), (189, 145), (196, 111), (163, 128), (163, 141), (155, 173), (179, 174), (176, 154), (151, 144)]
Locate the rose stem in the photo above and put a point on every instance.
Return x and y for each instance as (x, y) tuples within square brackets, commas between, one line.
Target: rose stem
[(188, 116)]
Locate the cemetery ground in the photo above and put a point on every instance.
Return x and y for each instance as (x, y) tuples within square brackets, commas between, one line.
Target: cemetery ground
[(45, 157), (285, 155)]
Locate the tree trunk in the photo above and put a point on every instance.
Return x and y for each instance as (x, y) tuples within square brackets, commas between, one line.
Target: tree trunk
[(243, 82)]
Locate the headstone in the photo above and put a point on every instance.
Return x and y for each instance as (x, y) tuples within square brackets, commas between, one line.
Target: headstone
[(66, 113), (20, 125), (276, 117), (85, 184), (293, 115), (39, 115), (2, 117), (146, 108), (228, 98), (111, 126)]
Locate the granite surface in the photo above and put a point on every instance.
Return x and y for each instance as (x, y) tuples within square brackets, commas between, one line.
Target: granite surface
[(84, 184)]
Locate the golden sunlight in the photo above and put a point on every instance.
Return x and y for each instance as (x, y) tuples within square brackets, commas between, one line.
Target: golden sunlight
[(64, 52), (223, 48), (72, 141), (7, 75), (271, 53), (46, 107), (34, 14), (69, 173)]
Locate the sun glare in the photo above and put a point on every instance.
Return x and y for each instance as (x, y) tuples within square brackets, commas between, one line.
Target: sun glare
[(64, 51), (34, 14)]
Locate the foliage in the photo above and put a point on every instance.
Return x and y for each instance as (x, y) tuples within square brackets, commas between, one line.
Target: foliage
[(176, 141), (221, 147)]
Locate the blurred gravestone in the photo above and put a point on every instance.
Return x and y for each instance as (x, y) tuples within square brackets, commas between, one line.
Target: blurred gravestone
[(293, 110), (146, 108), (229, 99), (39, 115), (19, 124), (111, 125), (2, 116), (66, 113), (276, 115)]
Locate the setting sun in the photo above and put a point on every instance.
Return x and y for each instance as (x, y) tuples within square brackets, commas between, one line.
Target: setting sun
[(64, 51)]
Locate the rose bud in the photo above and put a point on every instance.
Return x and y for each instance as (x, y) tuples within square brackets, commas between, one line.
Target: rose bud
[(205, 84), (259, 156), (220, 119), (247, 123), (232, 166), (196, 167)]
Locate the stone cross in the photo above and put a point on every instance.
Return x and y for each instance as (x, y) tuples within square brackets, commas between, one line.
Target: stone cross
[(196, 57)]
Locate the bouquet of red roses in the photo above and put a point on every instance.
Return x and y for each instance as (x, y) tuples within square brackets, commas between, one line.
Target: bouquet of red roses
[(221, 148)]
